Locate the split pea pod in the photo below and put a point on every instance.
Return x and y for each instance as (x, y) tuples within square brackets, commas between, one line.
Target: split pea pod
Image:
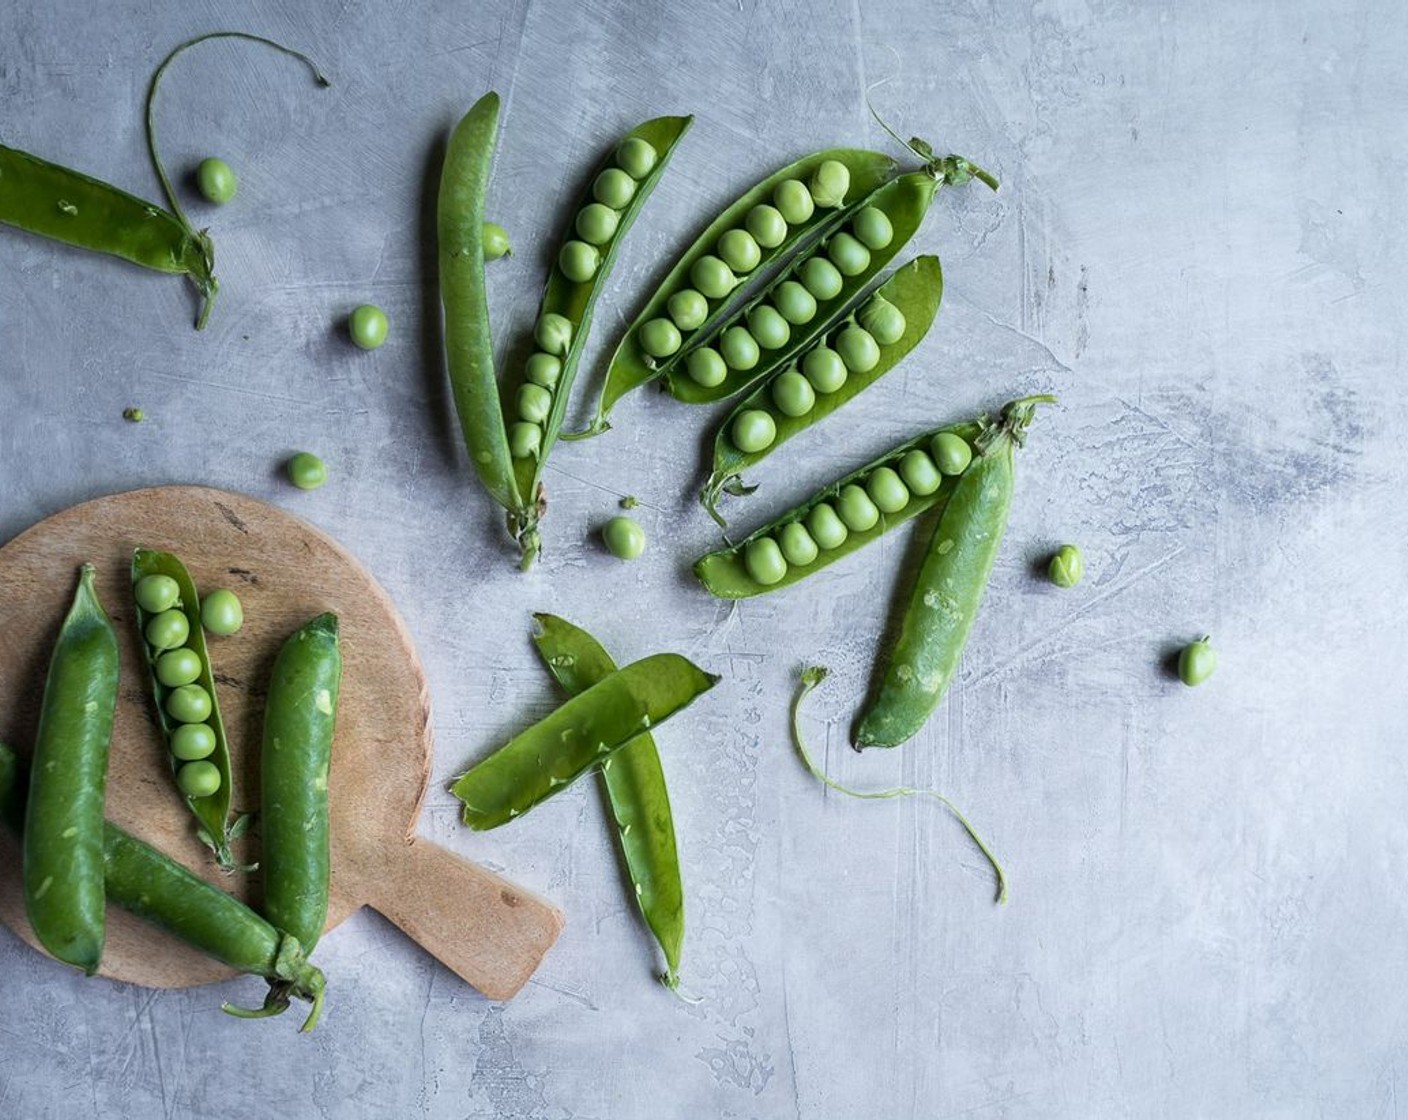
[(579, 736), (949, 588), (299, 716), (63, 834), (868, 339), (635, 788)]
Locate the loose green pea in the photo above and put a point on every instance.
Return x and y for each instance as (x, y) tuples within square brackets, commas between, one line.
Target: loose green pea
[(798, 548), (688, 309), (873, 228), (824, 369), (157, 593), (579, 261), (168, 630), (858, 349), (739, 251), (306, 470), (822, 278), (887, 490), (221, 612), (614, 188), (178, 666), (920, 473), (1067, 567), (850, 257), (192, 741), (216, 180), (496, 243), (767, 225), (951, 452), (198, 779), (793, 394), (856, 509), (712, 277), (553, 334), (659, 338), (1196, 662), (706, 366), (764, 561), (753, 430), (793, 201), (534, 403), (829, 184), (768, 327), (596, 224), (739, 348), (367, 326), (636, 157), (794, 303), (826, 528), (623, 537), (524, 439), (883, 320), (543, 369), (189, 704)]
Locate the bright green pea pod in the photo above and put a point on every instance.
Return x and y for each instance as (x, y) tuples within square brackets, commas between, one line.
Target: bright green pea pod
[(950, 585), (578, 737), (576, 303), (724, 573), (916, 290), (63, 835), (631, 367), (635, 787), (212, 813)]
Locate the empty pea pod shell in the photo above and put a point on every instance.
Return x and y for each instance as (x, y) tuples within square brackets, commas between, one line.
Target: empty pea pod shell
[(579, 736), (916, 290)]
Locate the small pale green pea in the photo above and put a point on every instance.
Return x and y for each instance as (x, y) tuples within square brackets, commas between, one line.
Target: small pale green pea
[(858, 349), (496, 243), (367, 325), (525, 439), (883, 320), (623, 537), (798, 548), (739, 251), (178, 666), (192, 741), (887, 490), (855, 508), (198, 779), (614, 188), (659, 338), (712, 277), (822, 278), (579, 261), (1196, 662), (636, 157), (764, 561), (306, 471), (793, 201), (534, 403), (596, 224), (216, 180), (168, 630), (951, 452), (767, 225), (553, 334), (824, 368), (768, 327), (157, 593), (706, 367), (873, 228), (543, 369), (189, 704), (1067, 567), (739, 348), (688, 309), (793, 394), (826, 527), (753, 430), (221, 612), (920, 473), (829, 184), (850, 257), (794, 303)]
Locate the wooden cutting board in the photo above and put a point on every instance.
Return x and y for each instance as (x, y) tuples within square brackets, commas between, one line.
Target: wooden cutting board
[(489, 931)]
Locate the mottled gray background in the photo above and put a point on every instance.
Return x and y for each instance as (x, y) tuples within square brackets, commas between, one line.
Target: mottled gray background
[(1198, 243)]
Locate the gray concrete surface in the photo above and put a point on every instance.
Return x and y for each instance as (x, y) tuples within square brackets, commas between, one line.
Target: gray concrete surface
[(1198, 244)]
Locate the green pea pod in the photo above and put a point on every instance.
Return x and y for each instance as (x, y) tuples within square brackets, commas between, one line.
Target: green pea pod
[(577, 737), (725, 574), (635, 787), (915, 290), (299, 715), (949, 588), (575, 301), (63, 836), (212, 812), (160, 891), (630, 366)]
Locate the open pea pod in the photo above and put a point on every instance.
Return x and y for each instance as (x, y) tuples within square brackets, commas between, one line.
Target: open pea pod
[(630, 366), (579, 736), (535, 397), (913, 291), (728, 574)]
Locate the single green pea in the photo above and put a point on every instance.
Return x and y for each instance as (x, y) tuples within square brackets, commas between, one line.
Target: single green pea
[(134, 415), (524, 439), (767, 225), (858, 349), (168, 630), (553, 334), (739, 251), (306, 470), (829, 184), (920, 473), (887, 490), (534, 403), (754, 430), (739, 348), (596, 224), (1067, 567), (793, 201), (706, 367), (496, 243), (822, 278), (367, 326), (850, 257), (855, 508), (712, 277), (883, 320), (688, 309), (793, 394), (216, 180), (798, 548), (579, 261), (189, 704), (192, 741), (764, 561), (826, 528), (873, 228), (659, 338), (951, 452), (221, 612), (794, 303), (636, 157), (178, 666), (543, 369), (1196, 662), (623, 537), (614, 188), (824, 368), (198, 779), (768, 327), (157, 593)]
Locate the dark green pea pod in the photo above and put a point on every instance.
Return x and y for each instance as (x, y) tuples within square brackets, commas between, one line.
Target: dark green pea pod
[(915, 290), (950, 585), (630, 366), (212, 812), (576, 302), (725, 575), (578, 737), (635, 788)]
